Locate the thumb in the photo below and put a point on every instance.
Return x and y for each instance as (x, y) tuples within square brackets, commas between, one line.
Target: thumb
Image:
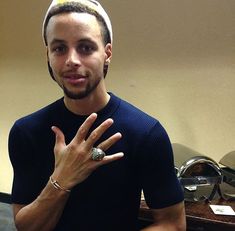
[(59, 140)]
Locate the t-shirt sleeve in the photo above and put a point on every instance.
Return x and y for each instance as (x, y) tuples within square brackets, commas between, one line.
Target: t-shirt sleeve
[(24, 187), (157, 173)]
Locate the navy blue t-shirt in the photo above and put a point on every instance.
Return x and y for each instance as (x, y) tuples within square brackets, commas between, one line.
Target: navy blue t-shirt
[(109, 198)]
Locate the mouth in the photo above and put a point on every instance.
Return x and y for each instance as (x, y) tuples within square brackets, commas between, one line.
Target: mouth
[(75, 79)]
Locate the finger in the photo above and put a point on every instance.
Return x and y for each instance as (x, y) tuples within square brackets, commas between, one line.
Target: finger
[(59, 143), (59, 138), (84, 128), (97, 133), (110, 158), (105, 145)]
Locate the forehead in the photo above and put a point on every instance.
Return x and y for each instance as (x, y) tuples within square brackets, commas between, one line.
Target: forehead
[(73, 24)]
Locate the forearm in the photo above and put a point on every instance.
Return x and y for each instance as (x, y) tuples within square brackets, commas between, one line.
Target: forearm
[(171, 218), (44, 213), (164, 227)]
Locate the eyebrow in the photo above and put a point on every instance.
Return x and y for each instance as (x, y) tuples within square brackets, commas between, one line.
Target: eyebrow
[(87, 40), (54, 41)]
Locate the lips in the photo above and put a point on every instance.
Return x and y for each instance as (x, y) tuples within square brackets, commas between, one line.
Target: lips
[(75, 78)]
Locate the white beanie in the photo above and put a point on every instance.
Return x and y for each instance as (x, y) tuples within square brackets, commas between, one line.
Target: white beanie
[(92, 4)]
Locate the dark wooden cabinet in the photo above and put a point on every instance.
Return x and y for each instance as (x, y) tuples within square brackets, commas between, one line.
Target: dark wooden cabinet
[(199, 216)]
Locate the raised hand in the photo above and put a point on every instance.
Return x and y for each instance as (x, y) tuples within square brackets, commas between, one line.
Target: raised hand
[(73, 162)]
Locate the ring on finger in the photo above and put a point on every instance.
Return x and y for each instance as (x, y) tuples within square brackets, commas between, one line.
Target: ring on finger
[(97, 154)]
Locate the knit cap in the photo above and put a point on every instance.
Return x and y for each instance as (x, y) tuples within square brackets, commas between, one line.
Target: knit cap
[(93, 4)]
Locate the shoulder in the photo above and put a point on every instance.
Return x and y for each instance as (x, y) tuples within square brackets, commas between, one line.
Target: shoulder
[(39, 117), (37, 121), (129, 116), (143, 129)]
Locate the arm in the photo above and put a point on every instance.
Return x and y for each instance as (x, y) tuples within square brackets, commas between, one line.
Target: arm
[(73, 164), (43, 213), (160, 184), (171, 218)]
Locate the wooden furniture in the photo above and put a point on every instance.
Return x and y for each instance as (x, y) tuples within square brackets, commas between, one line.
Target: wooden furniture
[(199, 215)]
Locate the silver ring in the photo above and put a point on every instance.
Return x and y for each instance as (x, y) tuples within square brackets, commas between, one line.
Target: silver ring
[(97, 154)]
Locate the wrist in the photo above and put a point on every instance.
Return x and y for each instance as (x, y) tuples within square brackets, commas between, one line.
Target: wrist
[(57, 185)]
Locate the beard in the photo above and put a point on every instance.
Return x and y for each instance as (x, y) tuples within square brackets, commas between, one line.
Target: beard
[(82, 94)]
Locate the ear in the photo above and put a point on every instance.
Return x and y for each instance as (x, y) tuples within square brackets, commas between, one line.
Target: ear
[(108, 53)]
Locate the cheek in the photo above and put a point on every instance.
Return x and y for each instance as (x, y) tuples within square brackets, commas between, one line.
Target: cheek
[(55, 63), (96, 63), (50, 60)]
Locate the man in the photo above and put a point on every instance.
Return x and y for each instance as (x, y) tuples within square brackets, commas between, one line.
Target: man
[(89, 172)]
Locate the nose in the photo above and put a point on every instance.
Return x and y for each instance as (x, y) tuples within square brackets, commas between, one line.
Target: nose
[(73, 59)]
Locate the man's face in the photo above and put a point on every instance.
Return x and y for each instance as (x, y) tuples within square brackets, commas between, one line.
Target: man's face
[(76, 53)]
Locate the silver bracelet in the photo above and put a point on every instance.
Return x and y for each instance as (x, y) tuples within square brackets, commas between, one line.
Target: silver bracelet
[(57, 186)]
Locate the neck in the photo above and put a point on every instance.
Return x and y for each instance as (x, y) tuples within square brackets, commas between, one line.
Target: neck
[(92, 103)]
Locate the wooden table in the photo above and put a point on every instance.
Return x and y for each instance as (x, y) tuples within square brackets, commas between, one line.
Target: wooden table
[(199, 216)]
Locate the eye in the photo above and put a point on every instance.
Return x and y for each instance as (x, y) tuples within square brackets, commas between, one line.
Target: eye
[(86, 49), (59, 49)]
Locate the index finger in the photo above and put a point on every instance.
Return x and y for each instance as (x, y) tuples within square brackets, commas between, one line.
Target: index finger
[(84, 128)]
